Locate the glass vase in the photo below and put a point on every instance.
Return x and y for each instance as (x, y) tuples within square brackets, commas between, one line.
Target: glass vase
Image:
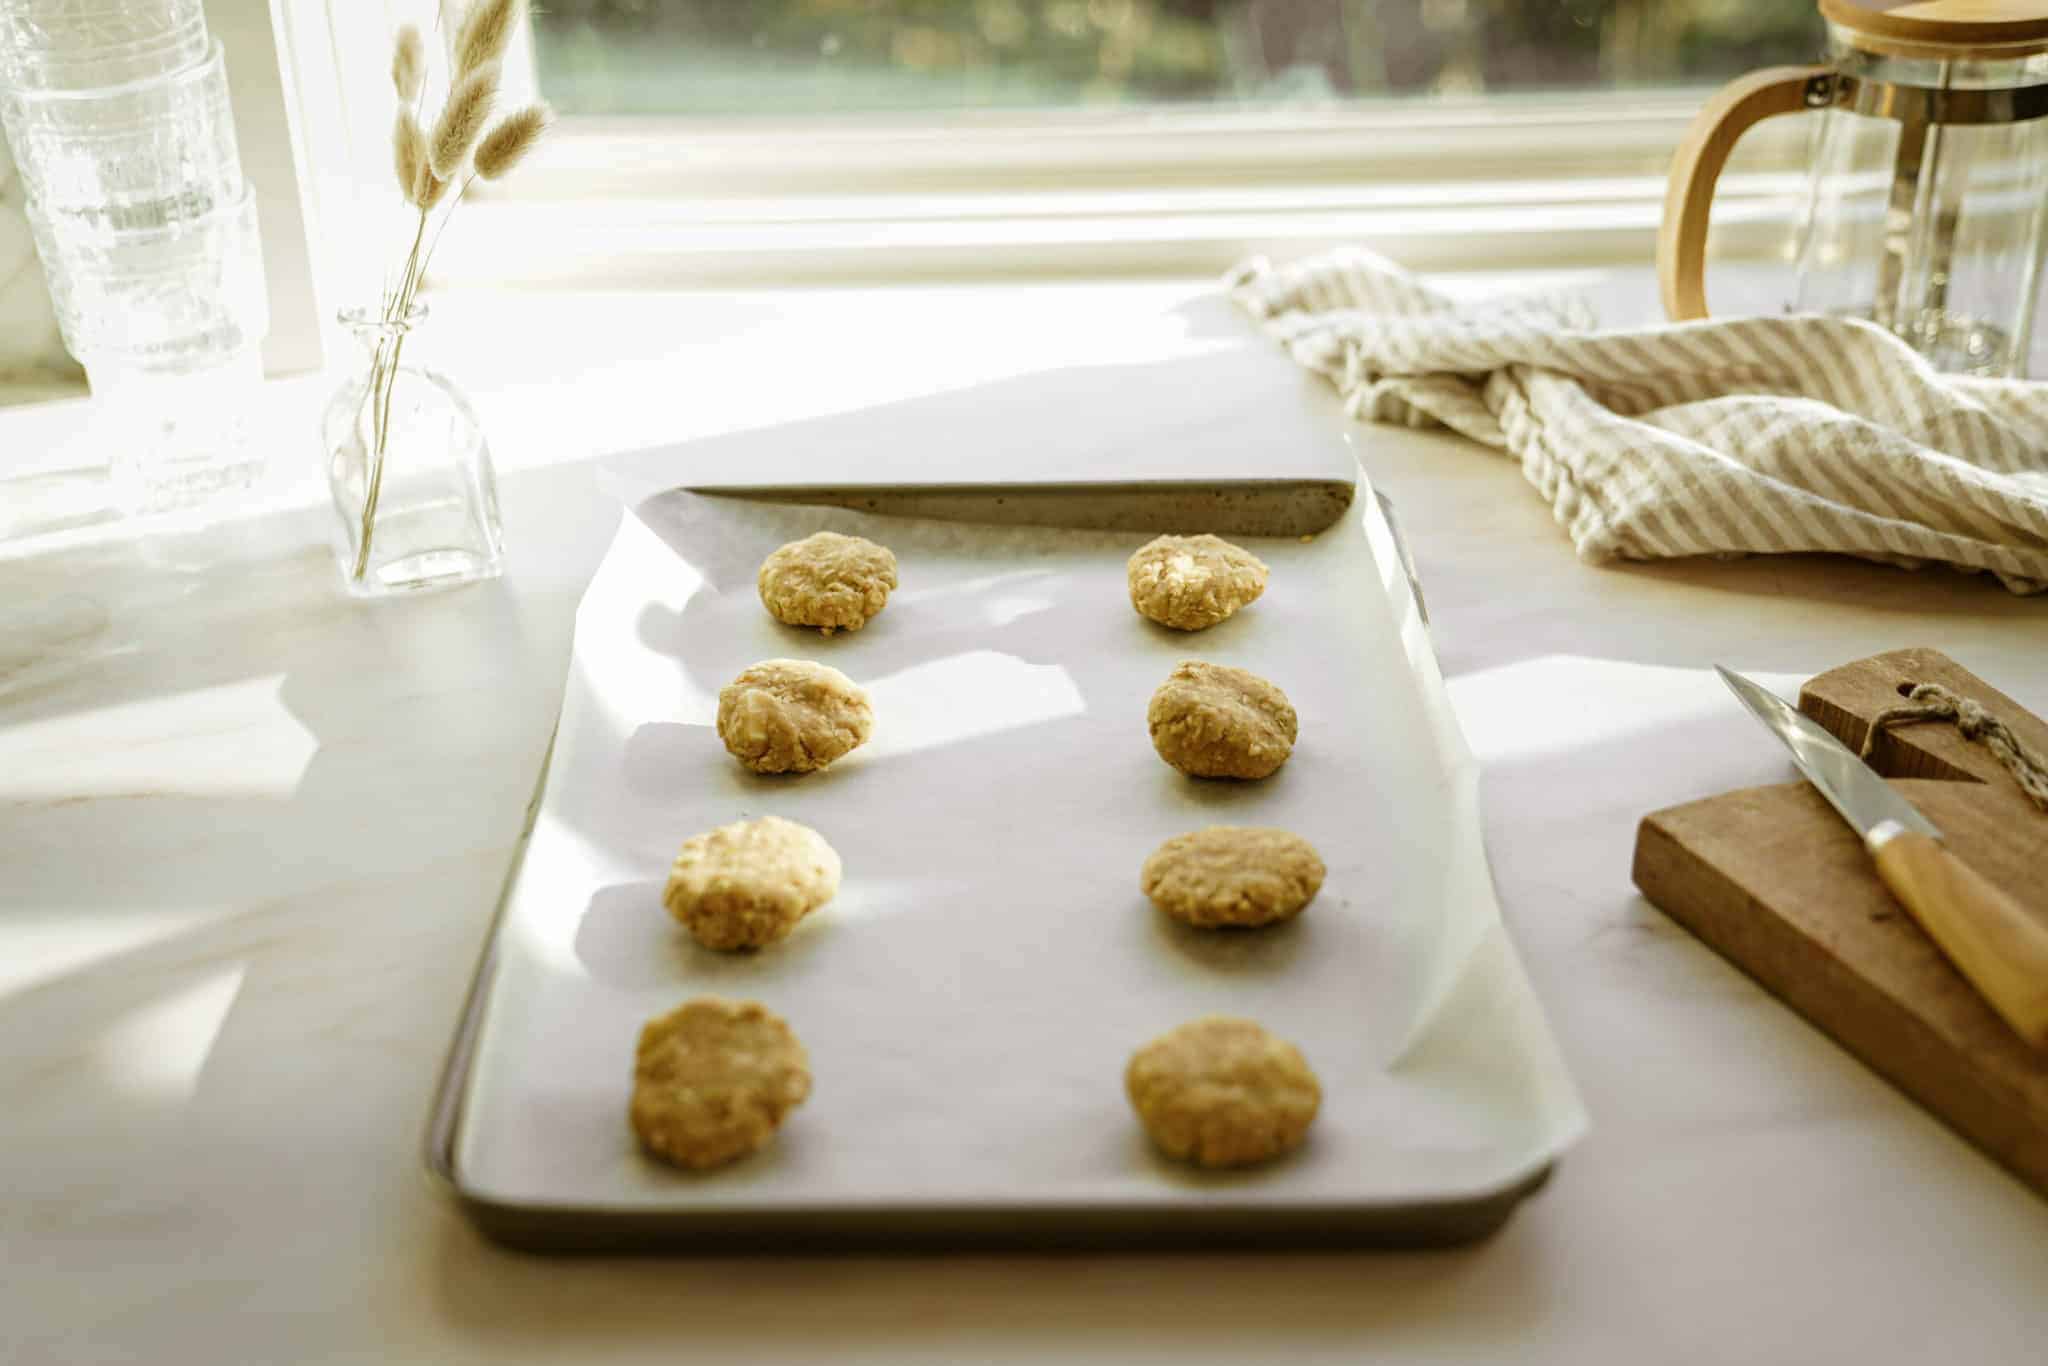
[(414, 494)]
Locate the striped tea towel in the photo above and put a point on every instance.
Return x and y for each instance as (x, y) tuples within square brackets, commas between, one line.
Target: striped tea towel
[(1705, 438)]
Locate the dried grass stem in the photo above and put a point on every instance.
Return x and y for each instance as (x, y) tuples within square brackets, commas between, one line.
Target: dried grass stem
[(506, 145), (409, 64), (427, 164), (409, 154), (485, 33), (429, 188), (462, 120)]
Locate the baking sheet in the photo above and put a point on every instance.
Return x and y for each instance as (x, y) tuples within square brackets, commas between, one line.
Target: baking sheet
[(971, 996)]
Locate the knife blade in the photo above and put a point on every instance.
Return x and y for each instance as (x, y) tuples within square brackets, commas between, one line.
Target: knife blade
[(1864, 800), (1990, 938)]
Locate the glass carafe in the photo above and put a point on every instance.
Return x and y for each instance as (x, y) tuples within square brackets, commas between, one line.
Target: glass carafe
[(1927, 210)]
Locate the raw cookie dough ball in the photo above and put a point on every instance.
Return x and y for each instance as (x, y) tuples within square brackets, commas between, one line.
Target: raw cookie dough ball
[(791, 716), (1213, 721), (827, 580), (1192, 582), (747, 884), (1222, 1092), (713, 1078), (1233, 875)]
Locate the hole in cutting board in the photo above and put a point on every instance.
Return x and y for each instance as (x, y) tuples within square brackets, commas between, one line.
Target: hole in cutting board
[(1905, 749)]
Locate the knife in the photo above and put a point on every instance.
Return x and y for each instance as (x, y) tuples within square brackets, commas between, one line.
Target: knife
[(1991, 939)]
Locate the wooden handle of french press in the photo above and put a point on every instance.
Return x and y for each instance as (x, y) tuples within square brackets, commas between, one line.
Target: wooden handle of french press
[(1689, 195)]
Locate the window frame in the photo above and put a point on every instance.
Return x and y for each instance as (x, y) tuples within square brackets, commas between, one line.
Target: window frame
[(1505, 137), (1571, 179)]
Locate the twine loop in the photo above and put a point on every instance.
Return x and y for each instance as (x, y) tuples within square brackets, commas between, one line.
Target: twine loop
[(1932, 702)]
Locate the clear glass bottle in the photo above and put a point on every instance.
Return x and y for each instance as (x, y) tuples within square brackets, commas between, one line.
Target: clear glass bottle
[(415, 498)]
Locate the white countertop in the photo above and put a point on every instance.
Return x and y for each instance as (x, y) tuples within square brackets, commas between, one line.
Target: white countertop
[(251, 834)]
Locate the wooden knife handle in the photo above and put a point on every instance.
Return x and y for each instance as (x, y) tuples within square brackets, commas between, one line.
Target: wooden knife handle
[(1990, 938)]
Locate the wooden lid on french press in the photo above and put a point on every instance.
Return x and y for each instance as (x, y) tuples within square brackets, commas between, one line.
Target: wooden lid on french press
[(1944, 28)]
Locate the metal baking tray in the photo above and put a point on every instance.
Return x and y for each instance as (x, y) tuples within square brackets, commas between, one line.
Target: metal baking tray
[(971, 996)]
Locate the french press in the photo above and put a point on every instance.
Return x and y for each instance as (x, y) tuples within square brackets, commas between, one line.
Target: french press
[(1927, 210)]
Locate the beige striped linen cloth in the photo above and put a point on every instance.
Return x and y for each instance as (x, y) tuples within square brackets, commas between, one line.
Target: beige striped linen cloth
[(1752, 435)]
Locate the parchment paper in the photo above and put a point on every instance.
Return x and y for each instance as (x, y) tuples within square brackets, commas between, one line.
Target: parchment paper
[(970, 998)]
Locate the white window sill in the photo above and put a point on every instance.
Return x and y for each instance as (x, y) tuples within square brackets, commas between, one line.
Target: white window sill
[(1065, 235)]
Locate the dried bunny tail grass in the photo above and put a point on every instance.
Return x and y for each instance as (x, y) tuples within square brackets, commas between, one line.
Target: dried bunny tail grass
[(428, 189), (485, 34), (409, 154), (504, 146), (409, 63), (462, 120)]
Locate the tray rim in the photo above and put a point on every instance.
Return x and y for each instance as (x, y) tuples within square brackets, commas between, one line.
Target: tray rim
[(553, 1227)]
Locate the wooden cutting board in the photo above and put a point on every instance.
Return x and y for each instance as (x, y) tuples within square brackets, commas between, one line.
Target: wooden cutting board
[(1773, 880)]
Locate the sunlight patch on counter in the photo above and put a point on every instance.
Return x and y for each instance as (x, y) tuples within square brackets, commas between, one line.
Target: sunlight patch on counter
[(158, 1050), (235, 739), (41, 946), (1557, 703)]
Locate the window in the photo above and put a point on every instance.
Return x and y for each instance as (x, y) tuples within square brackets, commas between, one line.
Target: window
[(796, 57), (738, 141)]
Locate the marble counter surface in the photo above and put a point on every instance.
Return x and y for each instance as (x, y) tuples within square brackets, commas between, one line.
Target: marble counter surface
[(251, 833)]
